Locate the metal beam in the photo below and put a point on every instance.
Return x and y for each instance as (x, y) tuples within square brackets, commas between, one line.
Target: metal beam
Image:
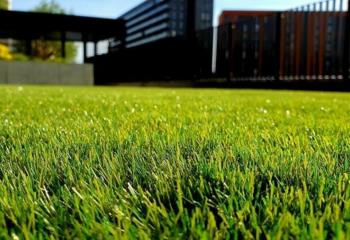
[(278, 46), (85, 50), (63, 45), (95, 48)]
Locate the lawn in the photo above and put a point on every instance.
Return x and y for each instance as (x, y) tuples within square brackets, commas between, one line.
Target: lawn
[(140, 163)]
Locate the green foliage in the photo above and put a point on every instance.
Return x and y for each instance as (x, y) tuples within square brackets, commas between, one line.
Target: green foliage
[(20, 57), (49, 50), (4, 4), (128, 163), (49, 7)]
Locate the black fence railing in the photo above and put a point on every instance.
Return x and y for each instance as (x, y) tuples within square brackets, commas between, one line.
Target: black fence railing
[(310, 42)]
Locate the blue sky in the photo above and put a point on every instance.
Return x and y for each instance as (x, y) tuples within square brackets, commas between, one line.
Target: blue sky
[(114, 8)]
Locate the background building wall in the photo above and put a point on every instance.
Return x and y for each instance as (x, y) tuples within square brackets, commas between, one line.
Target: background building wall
[(204, 14), (13, 72), (153, 20), (148, 22)]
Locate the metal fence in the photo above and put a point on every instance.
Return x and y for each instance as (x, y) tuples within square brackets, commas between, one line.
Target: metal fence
[(310, 42)]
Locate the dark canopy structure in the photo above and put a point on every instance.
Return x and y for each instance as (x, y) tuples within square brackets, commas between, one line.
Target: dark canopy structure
[(30, 26)]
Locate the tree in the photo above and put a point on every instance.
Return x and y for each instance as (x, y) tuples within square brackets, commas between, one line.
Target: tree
[(49, 7), (49, 50), (4, 4), (4, 49)]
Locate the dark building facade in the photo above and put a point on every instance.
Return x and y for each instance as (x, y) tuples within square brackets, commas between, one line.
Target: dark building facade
[(154, 20), (160, 43)]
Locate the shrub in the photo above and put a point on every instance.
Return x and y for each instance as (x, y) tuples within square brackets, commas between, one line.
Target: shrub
[(5, 52)]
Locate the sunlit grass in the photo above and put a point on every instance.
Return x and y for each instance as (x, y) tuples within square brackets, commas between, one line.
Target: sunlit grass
[(163, 163)]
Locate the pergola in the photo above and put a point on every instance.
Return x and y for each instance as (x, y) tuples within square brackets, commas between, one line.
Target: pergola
[(30, 26)]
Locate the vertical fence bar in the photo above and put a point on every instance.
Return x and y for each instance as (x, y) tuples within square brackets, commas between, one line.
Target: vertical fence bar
[(249, 41), (282, 45), (256, 47), (305, 23), (303, 40), (229, 51), (309, 32), (240, 44), (261, 47), (290, 42), (297, 46), (286, 44), (278, 44), (290, 39), (327, 59), (314, 42), (335, 46), (233, 51), (340, 38), (321, 42), (251, 63), (346, 44), (293, 43)]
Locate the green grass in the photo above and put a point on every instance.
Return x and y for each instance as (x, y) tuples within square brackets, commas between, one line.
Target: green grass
[(138, 163)]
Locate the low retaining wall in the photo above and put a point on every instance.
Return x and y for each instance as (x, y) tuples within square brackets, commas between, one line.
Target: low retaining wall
[(12, 72)]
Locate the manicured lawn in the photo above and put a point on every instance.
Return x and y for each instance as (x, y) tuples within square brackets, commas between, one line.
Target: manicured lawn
[(173, 163)]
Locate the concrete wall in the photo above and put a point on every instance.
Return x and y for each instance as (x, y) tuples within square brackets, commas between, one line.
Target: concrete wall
[(12, 72)]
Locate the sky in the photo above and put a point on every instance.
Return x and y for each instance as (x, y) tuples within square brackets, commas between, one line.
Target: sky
[(114, 8)]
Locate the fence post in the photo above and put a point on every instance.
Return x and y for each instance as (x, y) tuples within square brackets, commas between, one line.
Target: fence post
[(229, 53), (278, 46), (346, 45), (85, 49)]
